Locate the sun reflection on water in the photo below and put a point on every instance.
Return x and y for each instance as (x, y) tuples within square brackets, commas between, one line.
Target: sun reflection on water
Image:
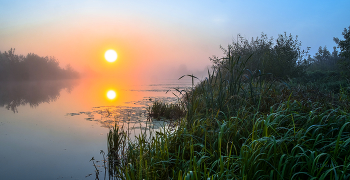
[(113, 102)]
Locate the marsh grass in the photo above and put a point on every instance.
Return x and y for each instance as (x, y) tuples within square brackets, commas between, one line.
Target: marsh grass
[(330, 81), (256, 129), (281, 145), (172, 111)]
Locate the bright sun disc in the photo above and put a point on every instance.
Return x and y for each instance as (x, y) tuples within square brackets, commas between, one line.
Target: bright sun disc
[(111, 94), (111, 55)]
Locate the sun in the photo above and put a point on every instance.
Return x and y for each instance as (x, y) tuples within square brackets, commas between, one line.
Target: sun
[(111, 94), (111, 55)]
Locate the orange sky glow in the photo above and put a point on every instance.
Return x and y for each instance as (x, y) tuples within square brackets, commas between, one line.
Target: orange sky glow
[(142, 47), (155, 40)]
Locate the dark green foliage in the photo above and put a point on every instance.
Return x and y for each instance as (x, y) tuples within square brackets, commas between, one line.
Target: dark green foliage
[(32, 67), (344, 46), (326, 81), (324, 60), (168, 111), (283, 59)]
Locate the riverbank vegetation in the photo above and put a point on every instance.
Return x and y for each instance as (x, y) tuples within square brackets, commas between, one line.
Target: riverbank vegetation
[(266, 111), (15, 67), (172, 111)]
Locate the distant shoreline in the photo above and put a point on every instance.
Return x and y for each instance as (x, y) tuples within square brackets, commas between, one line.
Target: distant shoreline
[(32, 67)]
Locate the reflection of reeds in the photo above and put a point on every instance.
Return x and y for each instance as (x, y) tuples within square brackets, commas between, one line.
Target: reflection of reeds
[(116, 144), (108, 111)]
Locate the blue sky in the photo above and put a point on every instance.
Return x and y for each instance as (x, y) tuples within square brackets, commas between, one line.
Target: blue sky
[(167, 35)]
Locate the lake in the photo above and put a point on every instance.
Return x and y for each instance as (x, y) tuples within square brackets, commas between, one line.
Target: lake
[(51, 129)]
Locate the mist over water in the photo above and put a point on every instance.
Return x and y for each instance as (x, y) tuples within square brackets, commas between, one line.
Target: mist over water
[(34, 93), (51, 129)]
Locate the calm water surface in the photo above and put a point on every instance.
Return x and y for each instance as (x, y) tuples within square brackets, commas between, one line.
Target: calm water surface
[(50, 130)]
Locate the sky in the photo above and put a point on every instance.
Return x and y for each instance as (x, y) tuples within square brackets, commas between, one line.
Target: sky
[(159, 39)]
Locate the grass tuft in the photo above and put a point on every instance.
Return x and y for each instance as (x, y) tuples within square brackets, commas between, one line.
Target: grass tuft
[(170, 111)]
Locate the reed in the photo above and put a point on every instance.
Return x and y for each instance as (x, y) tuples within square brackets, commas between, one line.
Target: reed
[(117, 142)]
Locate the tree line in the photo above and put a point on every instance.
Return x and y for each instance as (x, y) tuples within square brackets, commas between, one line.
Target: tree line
[(15, 67), (283, 58)]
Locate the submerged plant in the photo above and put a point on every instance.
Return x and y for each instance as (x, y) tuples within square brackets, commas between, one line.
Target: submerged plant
[(170, 111)]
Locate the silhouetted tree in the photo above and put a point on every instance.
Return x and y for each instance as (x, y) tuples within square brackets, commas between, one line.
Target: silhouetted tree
[(32, 67), (344, 46), (324, 60), (283, 59), (322, 55)]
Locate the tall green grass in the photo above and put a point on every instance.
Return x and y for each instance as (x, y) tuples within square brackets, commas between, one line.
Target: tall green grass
[(256, 129), (171, 111)]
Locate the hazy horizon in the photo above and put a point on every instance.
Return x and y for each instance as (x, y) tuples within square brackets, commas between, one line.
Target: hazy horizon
[(159, 40)]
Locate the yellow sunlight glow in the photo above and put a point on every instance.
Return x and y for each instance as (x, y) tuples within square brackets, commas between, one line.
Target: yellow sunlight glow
[(111, 94), (111, 55)]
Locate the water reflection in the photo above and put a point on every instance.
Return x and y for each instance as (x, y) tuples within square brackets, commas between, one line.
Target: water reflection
[(116, 103), (132, 116), (15, 94)]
